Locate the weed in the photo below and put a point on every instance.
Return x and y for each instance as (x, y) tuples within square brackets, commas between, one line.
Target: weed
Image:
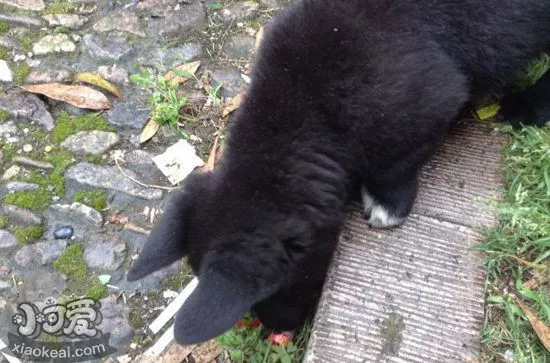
[(4, 222), (3, 115), (28, 234), (96, 291), (96, 199), (249, 344), (67, 125), (518, 250), (20, 74), (4, 27), (60, 7), (62, 30), (26, 44), (3, 54), (71, 263), (214, 6)]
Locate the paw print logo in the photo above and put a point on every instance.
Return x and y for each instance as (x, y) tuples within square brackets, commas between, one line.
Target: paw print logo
[(18, 319), (40, 318)]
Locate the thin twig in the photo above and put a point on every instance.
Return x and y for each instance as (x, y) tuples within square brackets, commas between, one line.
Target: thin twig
[(140, 183)]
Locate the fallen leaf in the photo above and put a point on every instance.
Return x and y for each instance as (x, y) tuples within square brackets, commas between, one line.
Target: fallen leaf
[(92, 78), (233, 104), (538, 279), (176, 353), (183, 73), (488, 112), (79, 96), (259, 38), (149, 130), (205, 352), (542, 330), (211, 162)]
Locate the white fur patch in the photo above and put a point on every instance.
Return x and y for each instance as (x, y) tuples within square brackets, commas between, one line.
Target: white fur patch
[(368, 200), (381, 218)]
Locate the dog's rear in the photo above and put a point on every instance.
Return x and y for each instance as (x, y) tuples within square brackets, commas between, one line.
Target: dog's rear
[(345, 94)]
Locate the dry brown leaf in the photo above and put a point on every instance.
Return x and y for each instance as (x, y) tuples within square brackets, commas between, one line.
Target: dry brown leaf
[(79, 96), (205, 352), (98, 81), (149, 130), (259, 38), (176, 353), (211, 162), (542, 330), (233, 104), (185, 72), (539, 278)]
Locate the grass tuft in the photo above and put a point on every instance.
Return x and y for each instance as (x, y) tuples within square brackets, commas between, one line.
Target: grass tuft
[(96, 199), (28, 234), (71, 263), (518, 250)]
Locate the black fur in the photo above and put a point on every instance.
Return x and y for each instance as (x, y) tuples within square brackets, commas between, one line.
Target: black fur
[(344, 93)]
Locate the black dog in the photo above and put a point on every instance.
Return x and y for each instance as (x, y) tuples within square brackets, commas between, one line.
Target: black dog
[(346, 94)]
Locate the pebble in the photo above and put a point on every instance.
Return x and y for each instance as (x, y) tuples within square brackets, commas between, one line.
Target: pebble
[(57, 43), (125, 21), (18, 186), (27, 148), (5, 72), (33, 5), (20, 216), (64, 232), (11, 172), (48, 148), (31, 162), (23, 105), (7, 240), (90, 142), (71, 21)]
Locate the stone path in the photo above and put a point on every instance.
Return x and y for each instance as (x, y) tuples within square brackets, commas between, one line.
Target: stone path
[(416, 293), (67, 212)]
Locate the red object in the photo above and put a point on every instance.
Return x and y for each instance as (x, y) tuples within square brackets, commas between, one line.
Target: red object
[(253, 324), (282, 338)]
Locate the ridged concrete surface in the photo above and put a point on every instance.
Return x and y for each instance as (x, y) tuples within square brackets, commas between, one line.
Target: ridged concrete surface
[(415, 293)]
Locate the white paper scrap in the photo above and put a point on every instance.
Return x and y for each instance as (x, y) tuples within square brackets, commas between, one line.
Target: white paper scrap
[(178, 161)]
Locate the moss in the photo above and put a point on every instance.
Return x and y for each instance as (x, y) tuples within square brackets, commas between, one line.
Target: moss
[(20, 73), (38, 199), (4, 222), (26, 44), (9, 150), (94, 159), (53, 182), (3, 54), (71, 263), (28, 234), (61, 159), (4, 27), (96, 199), (62, 30), (3, 115), (60, 7), (67, 125), (96, 291)]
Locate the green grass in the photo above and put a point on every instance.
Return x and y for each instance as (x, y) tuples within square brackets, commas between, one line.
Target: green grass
[(534, 71), (250, 345), (67, 125), (28, 234), (3, 115), (4, 27), (60, 7), (26, 44), (20, 74), (96, 291), (71, 263), (96, 199), (518, 249), (3, 54), (37, 199), (4, 222)]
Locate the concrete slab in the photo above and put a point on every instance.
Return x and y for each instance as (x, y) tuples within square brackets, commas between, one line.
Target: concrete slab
[(415, 293)]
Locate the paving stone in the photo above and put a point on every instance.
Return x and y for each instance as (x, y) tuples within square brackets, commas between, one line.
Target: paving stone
[(7, 240), (18, 186), (56, 43), (20, 216), (230, 79), (114, 74), (6, 74), (33, 5), (115, 321), (41, 284), (103, 254), (109, 177), (112, 46), (188, 17), (72, 21), (46, 76), (90, 142), (240, 46), (125, 21), (48, 252), (240, 10), (26, 106), (171, 57), (21, 20), (82, 218), (128, 115)]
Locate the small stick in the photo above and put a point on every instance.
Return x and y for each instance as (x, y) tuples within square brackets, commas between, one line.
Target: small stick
[(173, 307)]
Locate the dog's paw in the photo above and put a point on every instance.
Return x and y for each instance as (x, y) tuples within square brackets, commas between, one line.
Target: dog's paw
[(377, 215)]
